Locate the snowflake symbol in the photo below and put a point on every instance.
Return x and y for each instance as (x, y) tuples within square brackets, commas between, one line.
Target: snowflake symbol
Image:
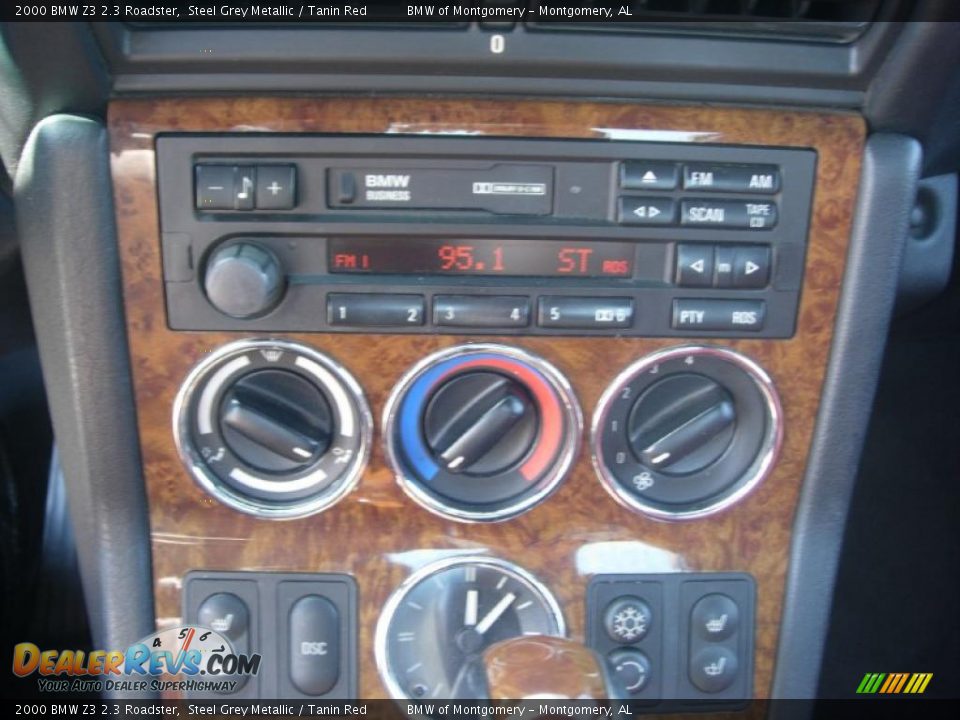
[(629, 623)]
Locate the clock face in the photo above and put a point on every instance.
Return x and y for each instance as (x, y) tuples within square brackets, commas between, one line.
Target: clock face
[(434, 629)]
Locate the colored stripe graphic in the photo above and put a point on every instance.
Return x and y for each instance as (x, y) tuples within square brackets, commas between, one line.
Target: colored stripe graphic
[(894, 683)]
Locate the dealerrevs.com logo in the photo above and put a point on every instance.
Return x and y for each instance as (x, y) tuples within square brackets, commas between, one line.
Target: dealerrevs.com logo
[(185, 659)]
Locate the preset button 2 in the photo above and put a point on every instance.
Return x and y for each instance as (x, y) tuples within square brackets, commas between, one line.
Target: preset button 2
[(495, 311)]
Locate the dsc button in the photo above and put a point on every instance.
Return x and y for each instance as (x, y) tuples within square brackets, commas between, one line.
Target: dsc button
[(314, 645)]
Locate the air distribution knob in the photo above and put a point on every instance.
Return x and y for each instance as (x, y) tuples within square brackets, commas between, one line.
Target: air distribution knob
[(276, 420), (687, 431), (272, 428), (243, 279), (481, 432)]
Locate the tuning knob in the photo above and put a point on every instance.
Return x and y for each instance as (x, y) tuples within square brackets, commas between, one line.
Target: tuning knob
[(243, 279), (272, 428), (686, 432), (481, 432)]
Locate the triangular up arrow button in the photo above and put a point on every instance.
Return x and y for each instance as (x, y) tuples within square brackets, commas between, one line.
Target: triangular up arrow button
[(649, 177)]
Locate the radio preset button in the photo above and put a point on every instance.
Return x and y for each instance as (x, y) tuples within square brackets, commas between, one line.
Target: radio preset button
[(583, 313), (496, 311), (694, 265), (749, 214), (732, 178), (649, 175), (715, 314), (647, 211), (379, 310)]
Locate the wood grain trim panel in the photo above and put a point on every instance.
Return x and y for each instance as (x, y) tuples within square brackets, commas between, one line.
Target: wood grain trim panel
[(371, 533)]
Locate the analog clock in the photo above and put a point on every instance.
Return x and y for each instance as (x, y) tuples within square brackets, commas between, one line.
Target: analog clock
[(434, 629)]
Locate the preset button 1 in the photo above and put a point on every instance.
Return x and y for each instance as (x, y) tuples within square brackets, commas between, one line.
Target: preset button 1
[(371, 309)]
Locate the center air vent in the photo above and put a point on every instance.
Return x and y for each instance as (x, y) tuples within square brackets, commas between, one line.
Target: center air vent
[(823, 20)]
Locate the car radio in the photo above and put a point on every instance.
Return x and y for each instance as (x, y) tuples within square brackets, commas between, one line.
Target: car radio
[(460, 235)]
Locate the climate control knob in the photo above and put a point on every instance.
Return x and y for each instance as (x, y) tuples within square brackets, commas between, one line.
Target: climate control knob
[(243, 279), (686, 431), (481, 432), (272, 428)]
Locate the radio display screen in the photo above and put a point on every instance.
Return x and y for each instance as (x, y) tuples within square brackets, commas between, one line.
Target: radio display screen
[(486, 256)]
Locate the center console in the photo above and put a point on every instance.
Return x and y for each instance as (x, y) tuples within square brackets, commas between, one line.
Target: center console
[(545, 368)]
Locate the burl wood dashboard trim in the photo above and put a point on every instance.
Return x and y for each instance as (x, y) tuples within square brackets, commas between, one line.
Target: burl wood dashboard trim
[(374, 533)]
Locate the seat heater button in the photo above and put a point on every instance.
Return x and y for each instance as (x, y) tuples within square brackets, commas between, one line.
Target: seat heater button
[(314, 645), (715, 617), (225, 614), (713, 669)]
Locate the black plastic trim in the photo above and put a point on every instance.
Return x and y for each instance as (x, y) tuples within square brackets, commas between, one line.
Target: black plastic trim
[(655, 66), (888, 186), (66, 224)]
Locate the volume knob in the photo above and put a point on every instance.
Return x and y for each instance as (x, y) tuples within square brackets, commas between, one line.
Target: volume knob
[(243, 280)]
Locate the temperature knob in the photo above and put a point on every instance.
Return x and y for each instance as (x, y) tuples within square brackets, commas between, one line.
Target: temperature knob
[(481, 432), (686, 432), (272, 428)]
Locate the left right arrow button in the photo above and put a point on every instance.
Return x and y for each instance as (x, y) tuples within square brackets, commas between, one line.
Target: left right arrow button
[(646, 211)]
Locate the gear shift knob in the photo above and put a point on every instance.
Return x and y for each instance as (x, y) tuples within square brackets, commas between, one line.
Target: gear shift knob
[(541, 667)]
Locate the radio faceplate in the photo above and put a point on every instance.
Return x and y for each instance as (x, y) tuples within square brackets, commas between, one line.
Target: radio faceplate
[(455, 235)]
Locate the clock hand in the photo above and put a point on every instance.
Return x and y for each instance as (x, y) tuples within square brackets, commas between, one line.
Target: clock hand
[(470, 612), (495, 612)]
